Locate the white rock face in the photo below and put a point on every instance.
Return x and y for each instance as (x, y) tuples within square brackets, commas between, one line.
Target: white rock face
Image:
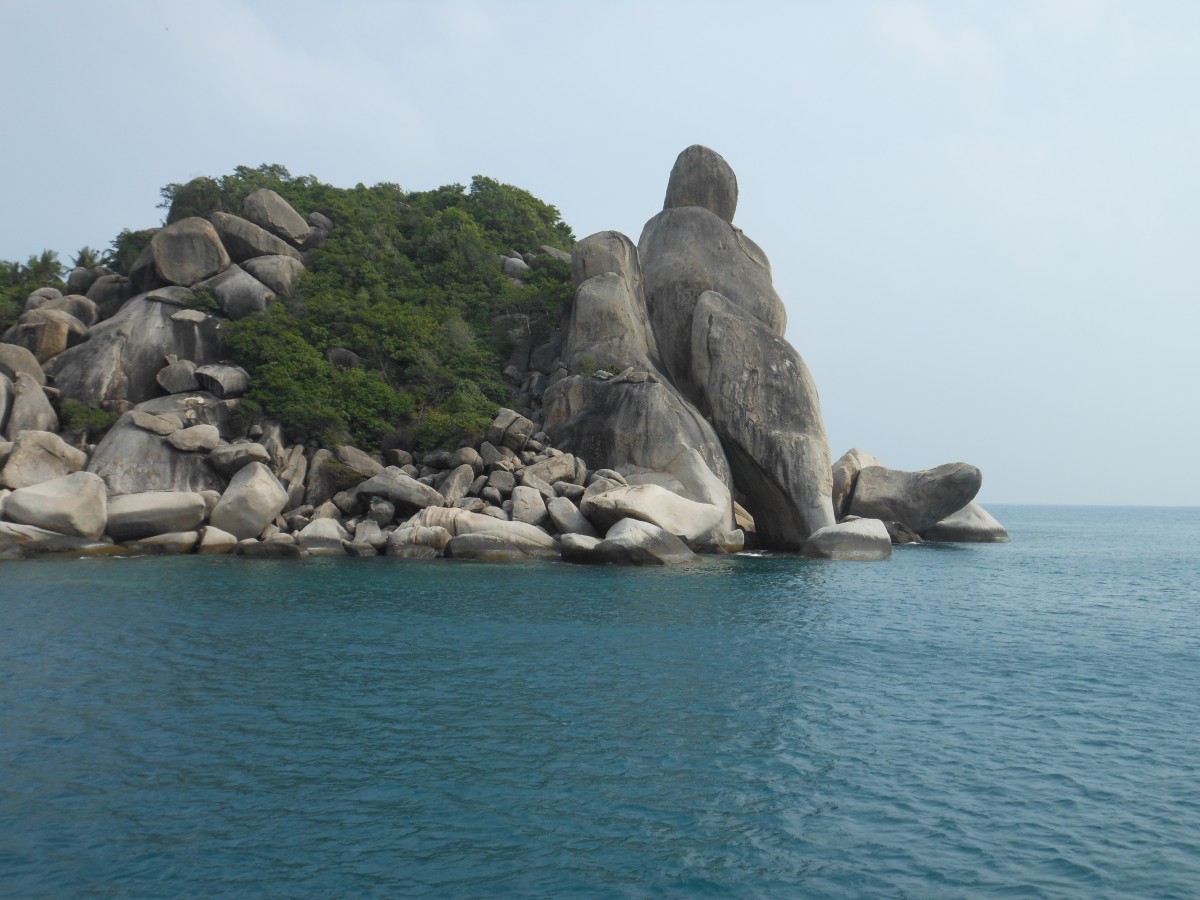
[(860, 539), (254, 498), (75, 504), (656, 505), (633, 542), (135, 516), (459, 521), (971, 524), (323, 537), (568, 519), (214, 540)]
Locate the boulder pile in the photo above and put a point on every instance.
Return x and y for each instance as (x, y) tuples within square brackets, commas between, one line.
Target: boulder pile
[(668, 416)]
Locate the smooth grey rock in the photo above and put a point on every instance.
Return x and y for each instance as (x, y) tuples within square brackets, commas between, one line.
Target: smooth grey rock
[(769, 416), (122, 356), (502, 481), (460, 521), (632, 542), (579, 548), (223, 380), (195, 438), (860, 539), (254, 498), (136, 516), (515, 268), (457, 483), (362, 463), (687, 251), (161, 424), (244, 240), (77, 305), (701, 177), (404, 492), (270, 549), (527, 479), (238, 293), (510, 429), (417, 542), (15, 359), (37, 457), (553, 470), (131, 459), (108, 292), (368, 532), (381, 510), (491, 547), (215, 541), (74, 504), (174, 543), (561, 255), (178, 377), (568, 519), (845, 474), (323, 537), (269, 211), (466, 456), (279, 273), (971, 524), (529, 506), (229, 459), (188, 251), (918, 499), (678, 515), (30, 410), (29, 540)]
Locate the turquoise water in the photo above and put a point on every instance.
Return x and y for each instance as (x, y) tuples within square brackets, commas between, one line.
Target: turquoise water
[(999, 720)]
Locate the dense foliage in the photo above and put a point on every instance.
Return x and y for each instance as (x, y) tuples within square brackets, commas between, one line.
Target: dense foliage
[(409, 283), (403, 317)]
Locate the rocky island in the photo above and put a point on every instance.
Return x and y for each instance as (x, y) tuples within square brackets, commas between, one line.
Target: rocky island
[(665, 415)]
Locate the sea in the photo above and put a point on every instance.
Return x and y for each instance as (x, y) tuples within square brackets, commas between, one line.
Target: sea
[(999, 720)]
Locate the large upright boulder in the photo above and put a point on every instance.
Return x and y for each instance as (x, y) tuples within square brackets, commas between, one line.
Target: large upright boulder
[(638, 423), (15, 359), (30, 409), (252, 500), (279, 273), (764, 403), (188, 251), (266, 209), (238, 293), (135, 516), (123, 354), (701, 177), (917, 499), (845, 474)]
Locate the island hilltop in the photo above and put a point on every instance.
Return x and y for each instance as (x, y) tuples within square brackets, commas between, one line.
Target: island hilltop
[(285, 369)]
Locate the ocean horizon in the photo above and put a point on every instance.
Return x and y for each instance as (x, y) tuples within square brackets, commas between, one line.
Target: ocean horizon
[(1011, 719)]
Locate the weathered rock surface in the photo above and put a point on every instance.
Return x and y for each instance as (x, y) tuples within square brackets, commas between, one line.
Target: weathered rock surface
[(254, 497), (633, 542), (15, 359), (29, 409), (460, 521), (568, 519), (677, 515), (132, 459), (37, 457), (239, 293), (136, 516), (769, 415), (845, 474), (46, 332), (362, 463), (215, 541), (229, 459), (178, 377), (223, 380), (195, 438), (971, 524), (244, 240), (123, 355), (528, 506), (26, 540), (74, 504), (323, 537), (859, 539), (493, 547), (918, 499), (701, 177), (188, 251), (418, 542), (279, 273), (269, 211), (405, 492)]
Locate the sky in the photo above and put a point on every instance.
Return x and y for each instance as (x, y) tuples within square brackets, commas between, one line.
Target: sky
[(983, 218)]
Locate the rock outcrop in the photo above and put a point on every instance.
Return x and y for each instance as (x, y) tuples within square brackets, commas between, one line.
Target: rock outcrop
[(918, 499)]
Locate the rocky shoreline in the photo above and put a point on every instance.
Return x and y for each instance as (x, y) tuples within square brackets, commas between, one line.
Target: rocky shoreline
[(668, 417)]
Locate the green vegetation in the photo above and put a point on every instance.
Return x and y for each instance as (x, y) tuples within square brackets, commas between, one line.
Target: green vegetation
[(76, 416), (402, 319)]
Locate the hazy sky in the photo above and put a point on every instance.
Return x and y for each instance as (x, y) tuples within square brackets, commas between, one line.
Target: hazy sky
[(984, 217)]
